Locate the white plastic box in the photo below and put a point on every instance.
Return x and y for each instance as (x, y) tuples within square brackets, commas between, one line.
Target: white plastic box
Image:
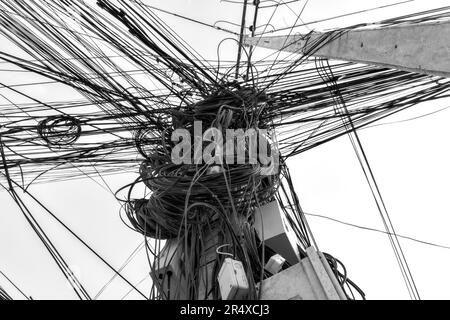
[(275, 264), (233, 281)]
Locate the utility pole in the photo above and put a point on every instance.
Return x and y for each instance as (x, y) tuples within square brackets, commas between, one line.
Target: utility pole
[(253, 31), (241, 38)]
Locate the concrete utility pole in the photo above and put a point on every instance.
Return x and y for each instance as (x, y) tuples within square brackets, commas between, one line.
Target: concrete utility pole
[(422, 48)]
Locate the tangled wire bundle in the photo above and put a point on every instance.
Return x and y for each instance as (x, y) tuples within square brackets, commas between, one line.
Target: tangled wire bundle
[(59, 131), (192, 193)]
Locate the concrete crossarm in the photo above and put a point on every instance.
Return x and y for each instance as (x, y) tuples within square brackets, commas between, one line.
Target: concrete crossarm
[(420, 48)]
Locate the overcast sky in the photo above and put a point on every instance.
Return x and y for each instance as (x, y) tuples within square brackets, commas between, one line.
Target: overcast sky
[(410, 161)]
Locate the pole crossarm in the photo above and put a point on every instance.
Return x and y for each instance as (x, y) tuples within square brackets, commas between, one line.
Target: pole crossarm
[(421, 48)]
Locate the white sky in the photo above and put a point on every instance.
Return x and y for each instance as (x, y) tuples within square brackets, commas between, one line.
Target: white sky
[(410, 161)]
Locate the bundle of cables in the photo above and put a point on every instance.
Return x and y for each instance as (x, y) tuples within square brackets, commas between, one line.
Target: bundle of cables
[(187, 202)]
